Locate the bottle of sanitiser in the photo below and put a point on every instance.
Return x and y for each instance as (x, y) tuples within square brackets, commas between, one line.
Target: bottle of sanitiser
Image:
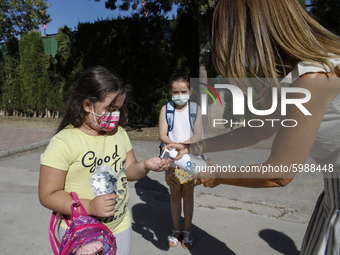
[(190, 163)]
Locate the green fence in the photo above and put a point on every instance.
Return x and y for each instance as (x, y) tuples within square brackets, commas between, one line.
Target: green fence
[(50, 44)]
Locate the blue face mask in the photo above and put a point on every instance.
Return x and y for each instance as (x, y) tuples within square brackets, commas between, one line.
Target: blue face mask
[(181, 99)]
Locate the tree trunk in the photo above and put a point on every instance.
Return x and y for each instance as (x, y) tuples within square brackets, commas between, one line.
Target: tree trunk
[(203, 55), (202, 40)]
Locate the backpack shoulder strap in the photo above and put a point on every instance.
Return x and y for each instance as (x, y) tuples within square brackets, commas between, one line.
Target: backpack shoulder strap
[(193, 107), (170, 114)]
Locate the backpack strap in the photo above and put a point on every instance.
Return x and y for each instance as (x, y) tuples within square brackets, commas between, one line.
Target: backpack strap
[(193, 107), (170, 115), (53, 222), (51, 232), (75, 206), (55, 243)]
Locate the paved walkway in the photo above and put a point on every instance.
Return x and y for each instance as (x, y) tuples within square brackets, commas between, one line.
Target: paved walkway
[(15, 140), (227, 219)]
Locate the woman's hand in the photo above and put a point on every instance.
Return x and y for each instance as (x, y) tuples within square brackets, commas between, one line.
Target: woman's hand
[(208, 182), (103, 205), (208, 179), (157, 164)]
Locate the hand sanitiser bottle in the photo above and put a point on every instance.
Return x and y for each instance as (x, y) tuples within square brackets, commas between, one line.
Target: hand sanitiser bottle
[(190, 163)]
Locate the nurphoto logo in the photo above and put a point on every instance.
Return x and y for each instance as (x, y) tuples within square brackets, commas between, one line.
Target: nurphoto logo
[(235, 102)]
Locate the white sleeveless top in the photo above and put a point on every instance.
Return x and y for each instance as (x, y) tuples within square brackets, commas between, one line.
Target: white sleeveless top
[(181, 130)]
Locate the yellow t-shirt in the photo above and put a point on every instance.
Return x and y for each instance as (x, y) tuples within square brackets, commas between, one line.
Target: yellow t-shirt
[(96, 165)]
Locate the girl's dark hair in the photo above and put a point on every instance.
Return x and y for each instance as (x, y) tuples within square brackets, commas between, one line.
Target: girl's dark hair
[(93, 85), (179, 77)]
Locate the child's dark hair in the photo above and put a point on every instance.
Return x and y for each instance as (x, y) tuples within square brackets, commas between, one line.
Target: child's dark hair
[(93, 85), (179, 77)]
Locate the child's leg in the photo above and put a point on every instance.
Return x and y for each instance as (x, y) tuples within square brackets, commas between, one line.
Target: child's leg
[(123, 241), (176, 208), (188, 204)]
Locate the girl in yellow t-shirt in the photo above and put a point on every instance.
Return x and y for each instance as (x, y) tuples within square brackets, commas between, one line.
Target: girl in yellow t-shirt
[(93, 157)]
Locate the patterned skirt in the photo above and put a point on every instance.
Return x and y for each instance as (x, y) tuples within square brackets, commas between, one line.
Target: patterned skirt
[(175, 176)]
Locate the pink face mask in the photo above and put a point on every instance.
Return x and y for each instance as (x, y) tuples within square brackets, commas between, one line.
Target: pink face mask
[(109, 120)]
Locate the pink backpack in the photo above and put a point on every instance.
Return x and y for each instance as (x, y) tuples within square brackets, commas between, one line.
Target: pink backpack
[(84, 233)]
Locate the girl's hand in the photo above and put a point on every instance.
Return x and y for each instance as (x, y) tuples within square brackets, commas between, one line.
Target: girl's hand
[(180, 147), (103, 205), (157, 164)]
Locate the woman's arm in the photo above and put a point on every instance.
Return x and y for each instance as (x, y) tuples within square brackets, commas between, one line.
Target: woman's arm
[(197, 132), (247, 179), (242, 137), (291, 144), (137, 170), (239, 138), (53, 196)]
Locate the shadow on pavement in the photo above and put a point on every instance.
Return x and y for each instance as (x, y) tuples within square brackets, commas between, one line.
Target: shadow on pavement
[(279, 241), (153, 221)]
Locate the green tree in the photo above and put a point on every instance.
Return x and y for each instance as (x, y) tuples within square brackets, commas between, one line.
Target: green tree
[(11, 92), (59, 72), (32, 72), (326, 12), (184, 40), (19, 16), (2, 75), (200, 10), (43, 85), (64, 41), (138, 50), (53, 95)]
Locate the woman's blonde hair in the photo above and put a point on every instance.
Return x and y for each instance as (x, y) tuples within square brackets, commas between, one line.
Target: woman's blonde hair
[(267, 38)]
